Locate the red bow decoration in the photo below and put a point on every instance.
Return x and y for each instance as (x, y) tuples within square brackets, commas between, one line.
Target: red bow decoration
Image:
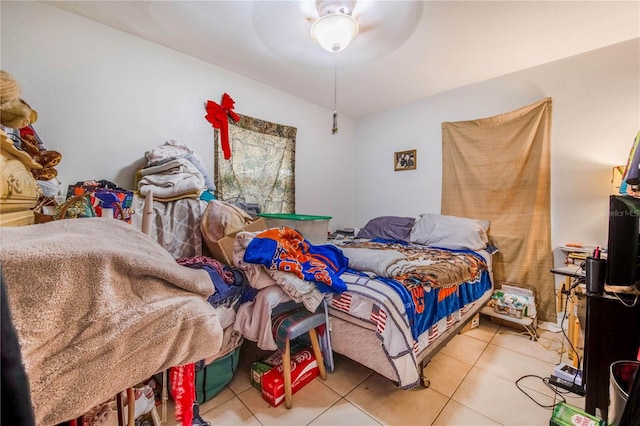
[(218, 116)]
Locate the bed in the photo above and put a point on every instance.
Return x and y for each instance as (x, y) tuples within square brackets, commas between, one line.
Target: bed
[(98, 307), (396, 331), (409, 286), (414, 283)]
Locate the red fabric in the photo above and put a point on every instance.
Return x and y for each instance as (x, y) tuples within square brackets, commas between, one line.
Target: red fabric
[(218, 116), (183, 391), (27, 131)]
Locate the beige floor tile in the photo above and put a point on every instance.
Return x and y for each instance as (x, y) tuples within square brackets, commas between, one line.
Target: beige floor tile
[(575, 400), (464, 348), (456, 414), (230, 412), (500, 400), (485, 331), (219, 403), (224, 395), (241, 381), (554, 340), (308, 403), (484, 394), (343, 413), (548, 348), (390, 405), (346, 376), (513, 365), (446, 373)]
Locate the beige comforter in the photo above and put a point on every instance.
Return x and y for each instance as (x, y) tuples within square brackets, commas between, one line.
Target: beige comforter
[(98, 307)]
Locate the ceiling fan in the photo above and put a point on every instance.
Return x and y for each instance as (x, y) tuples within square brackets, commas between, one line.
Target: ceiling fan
[(336, 26)]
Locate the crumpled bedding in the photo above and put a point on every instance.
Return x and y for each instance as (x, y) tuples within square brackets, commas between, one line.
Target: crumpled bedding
[(259, 277), (99, 307), (254, 318), (285, 249), (415, 264), (383, 263)]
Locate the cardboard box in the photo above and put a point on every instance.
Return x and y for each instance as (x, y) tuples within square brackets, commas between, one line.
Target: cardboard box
[(222, 249), (270, 381), (474, 323), (275, 359), (258, 369)]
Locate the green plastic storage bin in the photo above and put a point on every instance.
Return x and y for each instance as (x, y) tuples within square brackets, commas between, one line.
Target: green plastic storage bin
[(215, 376), (313, 228)]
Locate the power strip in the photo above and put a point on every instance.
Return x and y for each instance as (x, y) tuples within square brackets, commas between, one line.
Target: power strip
[(564, 384)]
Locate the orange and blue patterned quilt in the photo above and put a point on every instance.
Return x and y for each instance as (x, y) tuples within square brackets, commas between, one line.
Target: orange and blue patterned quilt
[(285, 249)]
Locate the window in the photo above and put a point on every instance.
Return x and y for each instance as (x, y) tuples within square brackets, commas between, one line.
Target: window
[(262, 165)]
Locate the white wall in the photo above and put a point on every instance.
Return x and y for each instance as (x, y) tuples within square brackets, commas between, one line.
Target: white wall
[(596, 115), (104, 98)]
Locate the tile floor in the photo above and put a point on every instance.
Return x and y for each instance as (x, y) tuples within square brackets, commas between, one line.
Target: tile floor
[(472, 383)]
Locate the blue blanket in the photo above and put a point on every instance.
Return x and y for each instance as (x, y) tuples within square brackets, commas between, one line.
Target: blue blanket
[(285, 249)]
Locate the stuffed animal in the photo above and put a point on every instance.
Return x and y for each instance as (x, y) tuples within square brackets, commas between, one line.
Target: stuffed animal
[(14, 112), (48, 159), (17, 117)]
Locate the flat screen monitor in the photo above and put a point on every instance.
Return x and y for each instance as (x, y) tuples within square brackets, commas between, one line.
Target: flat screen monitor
[(623, 266)]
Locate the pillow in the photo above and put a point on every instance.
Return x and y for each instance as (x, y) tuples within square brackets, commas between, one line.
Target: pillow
[(388, 227), (452, 232)]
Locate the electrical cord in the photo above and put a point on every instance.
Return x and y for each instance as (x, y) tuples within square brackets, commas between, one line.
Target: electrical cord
[(544, 380), (548, 347), (574, 283), (635, 300), (557, 393)]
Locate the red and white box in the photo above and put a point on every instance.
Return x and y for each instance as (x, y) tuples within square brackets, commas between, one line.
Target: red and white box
[(304, 368)]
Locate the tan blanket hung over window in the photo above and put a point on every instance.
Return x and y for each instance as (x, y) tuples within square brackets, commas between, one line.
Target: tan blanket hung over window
[(498, 169)]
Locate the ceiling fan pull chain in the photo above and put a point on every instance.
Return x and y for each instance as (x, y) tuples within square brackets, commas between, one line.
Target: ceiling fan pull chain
[(334, 130)]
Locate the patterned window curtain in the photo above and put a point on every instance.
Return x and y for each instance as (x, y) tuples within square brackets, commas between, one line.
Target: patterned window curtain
[(262, 165), (498, 169)]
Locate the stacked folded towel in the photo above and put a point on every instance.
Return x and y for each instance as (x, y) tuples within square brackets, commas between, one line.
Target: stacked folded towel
[(173, 172)]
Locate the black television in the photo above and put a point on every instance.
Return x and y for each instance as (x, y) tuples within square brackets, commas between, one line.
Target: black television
[(623, 264)]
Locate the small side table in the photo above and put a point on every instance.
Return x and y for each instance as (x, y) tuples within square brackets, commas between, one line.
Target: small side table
[(528, 323)]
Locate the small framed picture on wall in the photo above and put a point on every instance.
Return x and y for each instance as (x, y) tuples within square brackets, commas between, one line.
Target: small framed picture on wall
[(405, 160)]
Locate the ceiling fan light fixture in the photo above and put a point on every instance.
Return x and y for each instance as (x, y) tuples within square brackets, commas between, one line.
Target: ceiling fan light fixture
[(334, 31)]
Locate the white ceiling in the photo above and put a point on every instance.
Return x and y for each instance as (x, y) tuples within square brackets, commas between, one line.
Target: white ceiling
[(405, 51)]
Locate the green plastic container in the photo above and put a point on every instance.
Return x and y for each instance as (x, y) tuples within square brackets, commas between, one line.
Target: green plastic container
[(313, 228), (215, 376), (568, 415)]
